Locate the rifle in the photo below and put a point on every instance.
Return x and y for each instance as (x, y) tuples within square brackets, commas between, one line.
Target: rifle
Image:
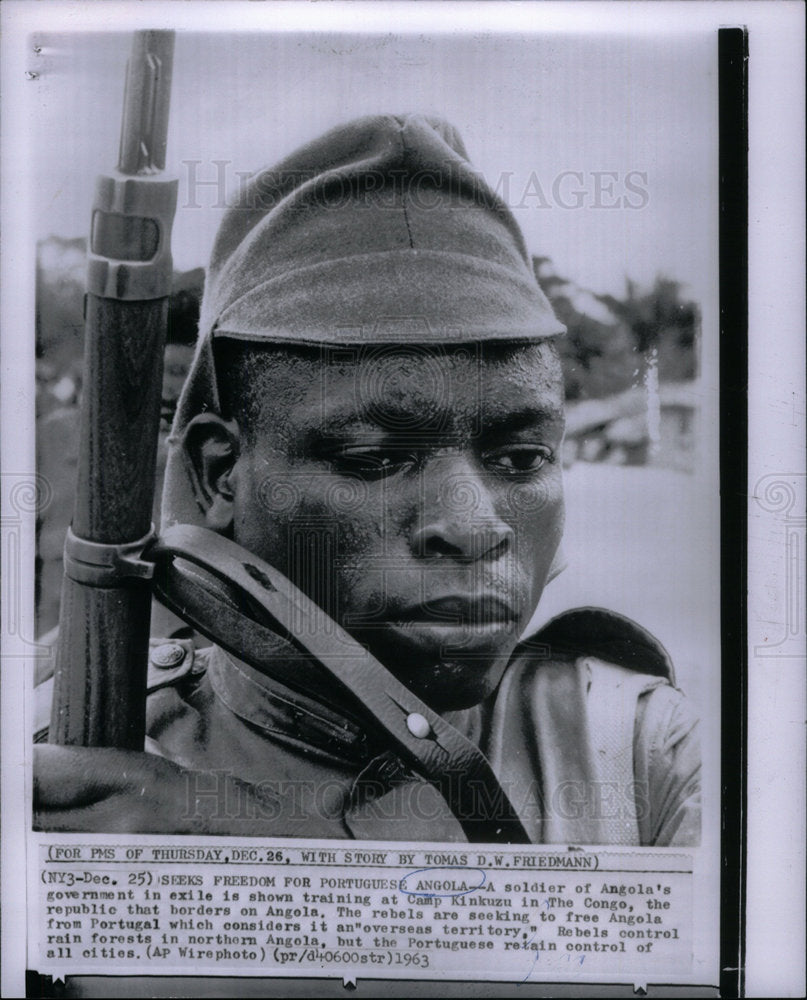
[(99, 686)]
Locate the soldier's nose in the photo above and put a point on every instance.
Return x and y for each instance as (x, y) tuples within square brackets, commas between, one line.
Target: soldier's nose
[(445, 538), (458, 518)]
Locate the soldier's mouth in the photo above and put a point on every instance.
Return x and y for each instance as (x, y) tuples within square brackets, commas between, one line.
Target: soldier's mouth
[(459, 623), (457, 611)]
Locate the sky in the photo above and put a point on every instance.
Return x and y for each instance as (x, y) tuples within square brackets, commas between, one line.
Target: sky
[(605, 146)]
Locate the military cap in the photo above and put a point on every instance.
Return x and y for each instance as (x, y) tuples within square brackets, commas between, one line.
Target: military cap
[(379, 232)]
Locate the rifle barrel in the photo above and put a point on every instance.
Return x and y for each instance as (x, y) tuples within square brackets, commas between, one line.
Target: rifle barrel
[(144, 126), (99, 686)]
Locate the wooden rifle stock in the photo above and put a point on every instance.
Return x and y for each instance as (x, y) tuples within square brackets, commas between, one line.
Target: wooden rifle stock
[(99, 688)]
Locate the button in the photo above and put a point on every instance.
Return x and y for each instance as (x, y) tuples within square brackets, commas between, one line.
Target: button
[(169, 654), (418, 726)]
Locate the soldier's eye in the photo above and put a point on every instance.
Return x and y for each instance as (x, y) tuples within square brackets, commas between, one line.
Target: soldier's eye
[(372, 462), (518, 460)]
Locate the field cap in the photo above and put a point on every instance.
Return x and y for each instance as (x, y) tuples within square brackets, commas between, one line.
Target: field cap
[(379, 232)]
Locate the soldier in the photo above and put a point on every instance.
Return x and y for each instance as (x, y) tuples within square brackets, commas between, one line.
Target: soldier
[(375, 408)]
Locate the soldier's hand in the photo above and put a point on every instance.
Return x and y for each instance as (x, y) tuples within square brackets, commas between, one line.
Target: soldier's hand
[(98, 790)]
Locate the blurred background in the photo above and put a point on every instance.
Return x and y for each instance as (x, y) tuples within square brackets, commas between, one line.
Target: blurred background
[(604, 146)]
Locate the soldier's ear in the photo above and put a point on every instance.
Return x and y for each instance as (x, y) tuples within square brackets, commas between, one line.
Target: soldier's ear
[(211, 446)]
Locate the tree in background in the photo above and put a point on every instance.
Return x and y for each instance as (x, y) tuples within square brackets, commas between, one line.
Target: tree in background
[(597, 351), (661, 319), (664, 328), (612, 343)]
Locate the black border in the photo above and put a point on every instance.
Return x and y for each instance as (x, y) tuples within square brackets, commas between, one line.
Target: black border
[(733, 160), (733, 342)]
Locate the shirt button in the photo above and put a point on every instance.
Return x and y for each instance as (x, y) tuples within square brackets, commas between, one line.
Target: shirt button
[(417, 725), (169, 654)]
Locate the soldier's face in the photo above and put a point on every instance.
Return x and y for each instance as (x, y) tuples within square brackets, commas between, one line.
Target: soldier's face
[(416, 495)]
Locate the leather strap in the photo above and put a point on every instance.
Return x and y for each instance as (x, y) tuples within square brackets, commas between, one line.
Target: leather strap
[(448, 760)]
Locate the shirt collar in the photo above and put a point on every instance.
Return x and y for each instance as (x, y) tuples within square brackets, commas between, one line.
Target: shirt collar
[(302, 721), (286, 714)]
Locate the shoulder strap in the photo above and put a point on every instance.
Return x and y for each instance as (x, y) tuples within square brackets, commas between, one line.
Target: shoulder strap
[(267, 603), (605, 635)]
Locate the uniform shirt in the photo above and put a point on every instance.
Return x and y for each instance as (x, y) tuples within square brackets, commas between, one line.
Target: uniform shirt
[(589, 752)]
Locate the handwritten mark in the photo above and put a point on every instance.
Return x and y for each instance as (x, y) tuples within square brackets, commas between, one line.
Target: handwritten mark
[(437, 888), (537, 952)]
